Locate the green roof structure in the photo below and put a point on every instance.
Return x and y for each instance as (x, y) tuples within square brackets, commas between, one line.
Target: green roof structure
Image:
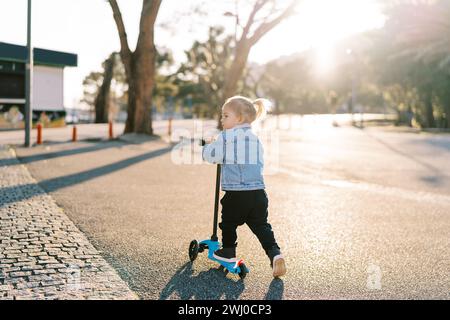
[(16, 53)]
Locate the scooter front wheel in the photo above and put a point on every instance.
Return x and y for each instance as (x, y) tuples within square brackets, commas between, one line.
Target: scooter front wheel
[(243, 272), (202, 247), (193, 250)]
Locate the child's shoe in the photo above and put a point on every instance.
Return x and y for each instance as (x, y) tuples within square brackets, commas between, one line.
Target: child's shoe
[(277, 262), (225, 254)]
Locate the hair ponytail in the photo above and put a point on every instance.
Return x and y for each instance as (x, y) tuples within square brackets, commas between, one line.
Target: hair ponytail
[(260, 106)]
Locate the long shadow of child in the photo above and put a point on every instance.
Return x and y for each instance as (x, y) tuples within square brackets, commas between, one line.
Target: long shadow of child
[(207, 285), (276, 290)]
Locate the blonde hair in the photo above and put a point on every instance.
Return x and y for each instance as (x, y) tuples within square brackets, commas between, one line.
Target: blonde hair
[(246, 108)]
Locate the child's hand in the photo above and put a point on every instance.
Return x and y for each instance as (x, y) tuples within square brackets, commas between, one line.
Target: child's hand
[(210, 139), (207, 140)]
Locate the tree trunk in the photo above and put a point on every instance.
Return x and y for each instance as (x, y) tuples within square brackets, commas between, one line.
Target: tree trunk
[(247, 41), (140, 90), (447, 115), (139, 66), (236, 70), (234, 74), (102, 101), (429, 108), (131, 107), (145, 75)]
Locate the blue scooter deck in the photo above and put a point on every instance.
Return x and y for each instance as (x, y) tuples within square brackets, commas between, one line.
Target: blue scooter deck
[(233, 267)]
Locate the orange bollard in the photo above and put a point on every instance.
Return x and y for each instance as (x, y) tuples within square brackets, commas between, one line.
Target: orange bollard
[(39, 133), (74, 134), (111, 130)]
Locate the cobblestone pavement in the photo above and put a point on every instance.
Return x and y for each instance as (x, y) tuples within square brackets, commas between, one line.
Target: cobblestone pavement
[(42, 254)]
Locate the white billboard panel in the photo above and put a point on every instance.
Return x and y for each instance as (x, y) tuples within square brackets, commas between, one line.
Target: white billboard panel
[(48, 88)]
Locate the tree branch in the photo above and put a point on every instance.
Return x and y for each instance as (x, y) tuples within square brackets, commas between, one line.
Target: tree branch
[(149, 13), (258, 6), (266, 27), (125, 49)]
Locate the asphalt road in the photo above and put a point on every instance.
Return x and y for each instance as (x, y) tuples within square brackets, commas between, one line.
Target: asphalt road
[(358, 214)]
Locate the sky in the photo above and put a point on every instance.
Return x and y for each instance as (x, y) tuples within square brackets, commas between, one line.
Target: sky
[(87, 28)]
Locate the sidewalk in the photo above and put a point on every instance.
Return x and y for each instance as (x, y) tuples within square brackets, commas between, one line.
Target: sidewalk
[(42, 254)]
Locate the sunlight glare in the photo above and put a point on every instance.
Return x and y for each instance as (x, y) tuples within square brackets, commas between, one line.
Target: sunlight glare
[(324, 58), (320, 24), (331, 20)]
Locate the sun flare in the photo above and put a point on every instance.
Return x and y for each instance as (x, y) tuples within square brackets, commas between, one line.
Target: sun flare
[(332, 20), (320, 24)]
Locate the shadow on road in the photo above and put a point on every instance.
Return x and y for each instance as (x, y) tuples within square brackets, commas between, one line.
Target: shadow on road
[(207, 285), (22, 192), (62, 153), (70, 152), (98, 146), (436, 175), (276, 290)]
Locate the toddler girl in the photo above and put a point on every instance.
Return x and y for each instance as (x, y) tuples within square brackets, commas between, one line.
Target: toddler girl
[(240, 153)]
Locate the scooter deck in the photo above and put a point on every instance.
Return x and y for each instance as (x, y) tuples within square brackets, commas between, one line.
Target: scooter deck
[(233, 267)]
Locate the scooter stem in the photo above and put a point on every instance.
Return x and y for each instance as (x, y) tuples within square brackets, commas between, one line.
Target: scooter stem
[(216, 204)]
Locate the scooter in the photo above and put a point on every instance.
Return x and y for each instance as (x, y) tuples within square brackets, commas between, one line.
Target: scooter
[(213, 244)]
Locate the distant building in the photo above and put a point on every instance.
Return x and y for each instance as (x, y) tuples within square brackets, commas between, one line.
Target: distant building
[(48, 83)]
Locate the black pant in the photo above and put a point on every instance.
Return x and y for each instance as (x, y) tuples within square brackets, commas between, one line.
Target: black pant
[(250, 207)]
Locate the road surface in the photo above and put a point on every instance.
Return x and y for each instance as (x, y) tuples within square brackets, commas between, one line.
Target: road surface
[(359, 213)]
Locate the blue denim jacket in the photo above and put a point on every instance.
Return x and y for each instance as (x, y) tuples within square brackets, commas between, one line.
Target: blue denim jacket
[(241, 155)]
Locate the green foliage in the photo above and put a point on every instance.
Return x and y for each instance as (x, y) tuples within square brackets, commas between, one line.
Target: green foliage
[(416, 38), (405, 66), (202, 77), (164, 85)]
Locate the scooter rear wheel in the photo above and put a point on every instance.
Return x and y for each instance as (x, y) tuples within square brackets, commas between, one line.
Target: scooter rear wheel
[(193, 250)]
